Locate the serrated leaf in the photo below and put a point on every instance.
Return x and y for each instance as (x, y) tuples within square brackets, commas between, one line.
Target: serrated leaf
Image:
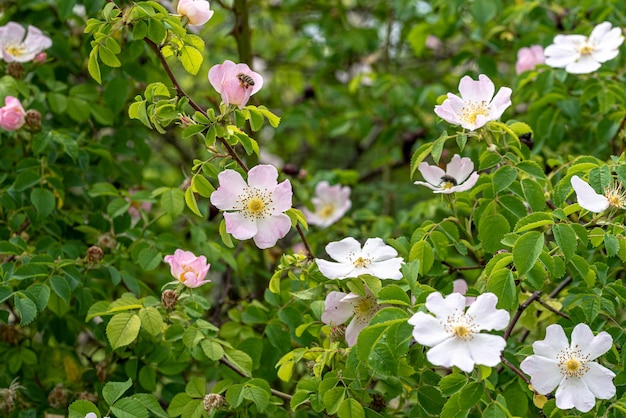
[(191, 59), (123, 329), (151, 320), (533, 221), (212, 349), (565, 238), (240, 359), (234, 395), (190, 199), (503, 178), (26, 309), (93, 66), (196, 387), (226, 238), (258, 395), (108, 57), (178, 404), (526, 251), (491, 229), (61, 287), (129, 408), (150, 402), (112, 391), (80, 408), (201, 185), (350, 408), (43, 200), (422, 252), (502, 284)]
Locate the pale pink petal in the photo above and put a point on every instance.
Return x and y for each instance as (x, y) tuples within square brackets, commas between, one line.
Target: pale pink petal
[(343, 250), (337, 311), (232, 185), (263, 176), (599, 380), (431, 173), (553, 343), (428, 330), (353, 330), (240, 226), (468, 184), (282, 197), (485, 349), (436, 189), (573, 393), (500, 103), (476, 91), (587, 197), (459, 168), (446, 111), (544, 373), (459, 286), (12, 33), (451, 352), (583, 339), (485, 314), (271, 230)]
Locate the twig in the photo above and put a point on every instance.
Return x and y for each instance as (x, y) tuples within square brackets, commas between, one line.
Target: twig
[(519, 312), (515, 369), (551, 309), (241, 373)]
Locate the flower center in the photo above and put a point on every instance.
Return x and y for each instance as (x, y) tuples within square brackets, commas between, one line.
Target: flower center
[(15, 50), (586, 49), (256, 203), (472, 109), (362, 262), (447, 182), (365, 309), (186, 269), (327, 210), (572, 362), (616, 196), (461, 325)]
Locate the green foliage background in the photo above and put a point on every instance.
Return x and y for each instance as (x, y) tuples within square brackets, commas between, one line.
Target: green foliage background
[(95, 335)]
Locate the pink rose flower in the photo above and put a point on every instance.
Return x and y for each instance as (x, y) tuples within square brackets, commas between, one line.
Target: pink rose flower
[(187, 268), (342, 306), (12, 114), (330, 202), (256, 209), (477, 104), (235, 82), (198, 12), (529, 58), (17, 45)]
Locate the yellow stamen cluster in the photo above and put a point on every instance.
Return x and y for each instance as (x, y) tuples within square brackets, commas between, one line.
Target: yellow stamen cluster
[(586, 49), (573, 362), (186, 269), (461, 325), (616, 196), (472, 109), (256, 204), (365, 309), (14, 50), (327, 210), (361, 262)]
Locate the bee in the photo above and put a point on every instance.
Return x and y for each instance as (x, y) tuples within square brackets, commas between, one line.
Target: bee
[(245, 80), (448, 179)]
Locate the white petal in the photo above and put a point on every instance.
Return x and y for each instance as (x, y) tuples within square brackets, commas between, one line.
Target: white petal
[(443, 308), (447, 112), (387, 269), (459, 168), (427, 330), (452, 352), (599, 380), (500, 103), (334, 270), (431, 173), (343, 250), (376, 249), (436, 189), (583, 339), (485, 314), (468, 184), (553, 343), (585, 65), (486, 349), (599, 31), (336, 311), (587, 197), (353, 330), (544, 373), (573, 393)]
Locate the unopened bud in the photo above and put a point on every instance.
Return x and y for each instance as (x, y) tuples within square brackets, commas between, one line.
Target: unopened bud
[(169, 298), (186, 121), (33, 119), (94, 255), (15, 70), (212, 402), (40, 58)]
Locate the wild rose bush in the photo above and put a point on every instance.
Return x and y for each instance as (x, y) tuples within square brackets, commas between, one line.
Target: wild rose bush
[(172, 247)]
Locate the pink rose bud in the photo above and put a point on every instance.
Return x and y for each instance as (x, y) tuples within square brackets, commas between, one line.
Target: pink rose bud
[(529, 58), (235, 82), (41, 58), (12, 115), (197, 12)]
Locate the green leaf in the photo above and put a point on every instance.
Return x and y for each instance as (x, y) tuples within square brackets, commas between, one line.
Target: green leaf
[(273, 120), (151, 320), (178, 404), (226, 238), (526, 251), (333, 399), (5, 293), (150, 402), (173, 201), (190, 199), (452, 383), (40, 294), (112, 391), (108, 57), (565, 238), (502, 284), (430, 399), (393, 295), (201, 185), (93, 66), (61, 287), (422, 252), (437, 148), (234, 395), (258, 395), (419, 155), (156, 31), (212, 349), (137, 110), (78, 409), (129, 408), (536, 276), (534, 195), (43, 200), (102, 189), (460, 403), (296, 216), (191, 59), (503, 178), (533, 221), (491, 229), (26, 309), (123, 329), (196, 387), (240, 359), (117, 207), (149, 258), (350, 408)]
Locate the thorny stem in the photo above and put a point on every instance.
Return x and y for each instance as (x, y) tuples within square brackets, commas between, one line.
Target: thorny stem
[(243, 374)]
